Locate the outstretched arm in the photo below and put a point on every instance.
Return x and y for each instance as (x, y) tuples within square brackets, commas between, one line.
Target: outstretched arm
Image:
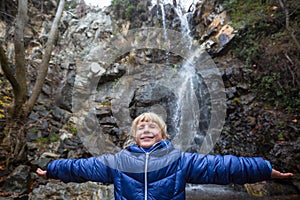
[(229, 169), (80, 170), (278, 174)]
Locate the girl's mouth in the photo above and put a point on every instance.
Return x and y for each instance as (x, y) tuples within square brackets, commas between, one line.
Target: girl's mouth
[(147, 137)]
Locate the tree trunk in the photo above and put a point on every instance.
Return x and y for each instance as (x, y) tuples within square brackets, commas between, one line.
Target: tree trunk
[(22, 106), (15, 131)]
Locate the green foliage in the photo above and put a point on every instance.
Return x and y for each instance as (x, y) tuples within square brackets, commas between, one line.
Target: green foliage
[(124, 9), (269, 89), (254, 21), (54, 138), (70, 4), (133, 11), (128, 9), (267, 81), (265, 44), (42, 141), (247, 12), (130, 12), (70, 128), (280, 136), (35, 129)]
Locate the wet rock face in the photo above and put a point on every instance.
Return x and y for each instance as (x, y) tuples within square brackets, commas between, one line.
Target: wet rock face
[(211, 26), (154, 97), (64, 98), (284, 154), (86, 191), (18, 181)]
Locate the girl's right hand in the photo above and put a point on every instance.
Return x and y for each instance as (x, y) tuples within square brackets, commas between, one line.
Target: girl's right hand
[(41, 172)]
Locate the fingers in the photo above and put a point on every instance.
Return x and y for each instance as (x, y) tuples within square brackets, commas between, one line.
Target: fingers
[(41, 172), (278, 174)]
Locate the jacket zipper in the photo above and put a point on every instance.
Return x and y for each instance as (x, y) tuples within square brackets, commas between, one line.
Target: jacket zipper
[(146, 175), (146, 170)]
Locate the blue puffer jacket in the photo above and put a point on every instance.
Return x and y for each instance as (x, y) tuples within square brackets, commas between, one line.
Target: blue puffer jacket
[(161, 172)]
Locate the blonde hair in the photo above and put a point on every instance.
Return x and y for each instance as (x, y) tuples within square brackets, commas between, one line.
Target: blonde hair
[(150, 117)]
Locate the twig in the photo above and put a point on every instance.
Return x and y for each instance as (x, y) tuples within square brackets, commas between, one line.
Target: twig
[(287, 24), (290, 60)]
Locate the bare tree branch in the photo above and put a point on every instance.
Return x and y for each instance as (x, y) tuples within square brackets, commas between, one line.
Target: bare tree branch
[(42, 73), (7, 71), (291, 71), (21, 72), (287, 23)]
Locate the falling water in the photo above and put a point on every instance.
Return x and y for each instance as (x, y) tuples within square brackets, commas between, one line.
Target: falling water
[(192, 110), (165, 31), (185, 28), (187, 111)]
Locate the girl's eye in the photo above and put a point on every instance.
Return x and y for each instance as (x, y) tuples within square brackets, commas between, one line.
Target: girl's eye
[(153, 126)]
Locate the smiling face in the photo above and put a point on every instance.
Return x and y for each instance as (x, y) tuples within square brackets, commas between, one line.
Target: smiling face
[(147, 134), (148, 129)]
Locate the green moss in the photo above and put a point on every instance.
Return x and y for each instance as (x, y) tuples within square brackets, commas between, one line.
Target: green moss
[(280, 136), (54, 138), (236, 100), (70, 128), (42, 141), (35, 129), (282, 124)]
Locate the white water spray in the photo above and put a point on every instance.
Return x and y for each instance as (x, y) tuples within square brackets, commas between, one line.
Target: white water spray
[(163, 14)]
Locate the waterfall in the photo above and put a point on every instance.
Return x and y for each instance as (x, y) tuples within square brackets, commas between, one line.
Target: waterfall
[(190, 118), (187, 112), (194, 109), (185, 28), (165, 31)]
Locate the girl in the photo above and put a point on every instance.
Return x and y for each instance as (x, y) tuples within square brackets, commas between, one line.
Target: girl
[(153, 169)]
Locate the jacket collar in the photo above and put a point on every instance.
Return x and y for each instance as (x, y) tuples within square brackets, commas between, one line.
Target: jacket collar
[(159, 145)]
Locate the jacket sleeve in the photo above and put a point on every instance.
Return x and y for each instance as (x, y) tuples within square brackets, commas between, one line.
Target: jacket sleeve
[(98, 169), (225, 169)]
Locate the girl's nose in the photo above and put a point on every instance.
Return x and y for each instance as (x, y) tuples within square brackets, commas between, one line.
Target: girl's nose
[(147, 129)]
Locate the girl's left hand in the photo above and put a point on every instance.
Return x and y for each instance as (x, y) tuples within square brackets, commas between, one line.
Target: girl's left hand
[(278, 174)]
